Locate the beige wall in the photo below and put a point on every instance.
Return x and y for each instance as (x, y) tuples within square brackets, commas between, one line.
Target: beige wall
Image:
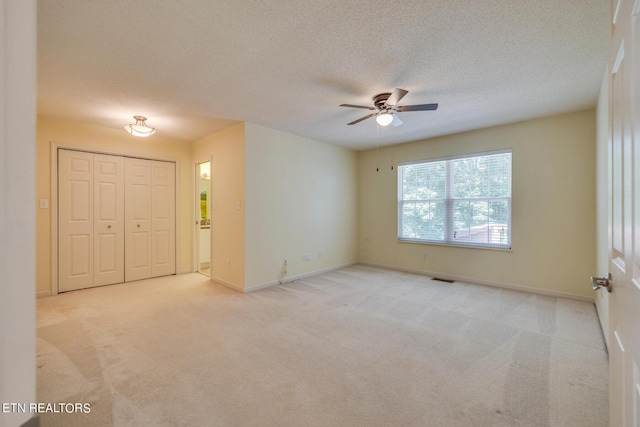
[(553, 213), (301, 198), (279, 196), (116, 141), (17, 197), (226, 149)]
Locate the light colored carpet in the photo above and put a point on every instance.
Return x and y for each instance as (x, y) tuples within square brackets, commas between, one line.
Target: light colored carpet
[(360, 346)]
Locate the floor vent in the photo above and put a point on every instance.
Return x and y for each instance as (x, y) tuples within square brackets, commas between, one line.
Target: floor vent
[(442, 280)]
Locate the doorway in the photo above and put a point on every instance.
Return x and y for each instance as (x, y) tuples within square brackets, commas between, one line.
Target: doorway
[(203, 217)]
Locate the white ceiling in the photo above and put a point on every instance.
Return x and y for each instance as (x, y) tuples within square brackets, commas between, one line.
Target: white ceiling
[(194, 67)]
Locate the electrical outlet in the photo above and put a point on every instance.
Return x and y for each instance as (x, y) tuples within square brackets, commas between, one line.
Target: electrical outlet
[(424, 255), (306, 257)]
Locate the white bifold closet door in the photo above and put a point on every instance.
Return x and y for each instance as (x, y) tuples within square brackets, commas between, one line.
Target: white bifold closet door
[(116, 219), (91, 220), (150, 219)]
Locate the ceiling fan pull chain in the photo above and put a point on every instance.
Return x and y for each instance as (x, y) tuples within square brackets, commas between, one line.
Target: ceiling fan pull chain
[(377, 149)]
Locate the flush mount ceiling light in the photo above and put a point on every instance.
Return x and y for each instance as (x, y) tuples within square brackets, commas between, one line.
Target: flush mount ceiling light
[(384, 119), (140, 128)]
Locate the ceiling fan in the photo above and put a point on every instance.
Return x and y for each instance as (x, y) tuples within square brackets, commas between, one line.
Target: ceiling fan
[(385, 105)]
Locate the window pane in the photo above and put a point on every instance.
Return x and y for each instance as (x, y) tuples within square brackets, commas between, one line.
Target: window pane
[(423, 220), (460, 219), (423, 181), (434, 223), (499, 176), (469, 178), (482, 176), (407, 222), (499, 222), (471, 221)]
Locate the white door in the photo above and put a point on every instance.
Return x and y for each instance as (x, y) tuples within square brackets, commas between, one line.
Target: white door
[(624, 218), (75, 220), (150, 219), (137, 219), (108, 219), (163, 219), (91, 220)]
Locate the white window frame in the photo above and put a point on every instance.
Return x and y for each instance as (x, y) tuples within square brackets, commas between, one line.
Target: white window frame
[(449, 239)]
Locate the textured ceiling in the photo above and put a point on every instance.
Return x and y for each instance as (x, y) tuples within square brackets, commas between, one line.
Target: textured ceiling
[(193, 67)]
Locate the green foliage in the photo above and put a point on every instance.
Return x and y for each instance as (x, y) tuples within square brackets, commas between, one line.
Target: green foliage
[(203, 205)]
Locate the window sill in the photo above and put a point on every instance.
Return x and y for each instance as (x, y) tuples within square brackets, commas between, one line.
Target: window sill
[(455, 245)]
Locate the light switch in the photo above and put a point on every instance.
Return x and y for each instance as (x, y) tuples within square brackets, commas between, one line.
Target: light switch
[(237, 205), (44, 203)]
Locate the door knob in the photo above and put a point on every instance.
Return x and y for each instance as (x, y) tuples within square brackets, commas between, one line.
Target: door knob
[(601, 282), (108, 226), (138, 225)]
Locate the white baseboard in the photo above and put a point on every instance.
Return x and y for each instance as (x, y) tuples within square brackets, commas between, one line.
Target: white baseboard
[(473, 280), (227, 284), (297, 277)]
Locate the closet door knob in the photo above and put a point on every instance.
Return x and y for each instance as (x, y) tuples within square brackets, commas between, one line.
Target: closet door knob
[(138, 226), (108, 226)]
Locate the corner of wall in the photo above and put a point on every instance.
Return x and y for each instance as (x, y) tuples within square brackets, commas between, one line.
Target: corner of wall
[(301, 205), (226, 149)]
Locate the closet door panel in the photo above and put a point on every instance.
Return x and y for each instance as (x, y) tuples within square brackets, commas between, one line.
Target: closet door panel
[(137, 219), (108, 219), (163, 240), (75, 220)]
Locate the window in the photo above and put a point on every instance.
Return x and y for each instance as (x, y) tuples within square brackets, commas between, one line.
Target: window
[(463, 200)]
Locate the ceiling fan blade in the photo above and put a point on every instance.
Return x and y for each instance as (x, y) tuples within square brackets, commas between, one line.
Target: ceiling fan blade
[(357, 106), (396, 96), (396, 121), (420, 107), (361, 119)]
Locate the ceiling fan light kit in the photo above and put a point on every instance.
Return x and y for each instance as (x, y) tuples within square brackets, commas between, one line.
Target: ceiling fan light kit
[(384, 119), (385, 106)]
